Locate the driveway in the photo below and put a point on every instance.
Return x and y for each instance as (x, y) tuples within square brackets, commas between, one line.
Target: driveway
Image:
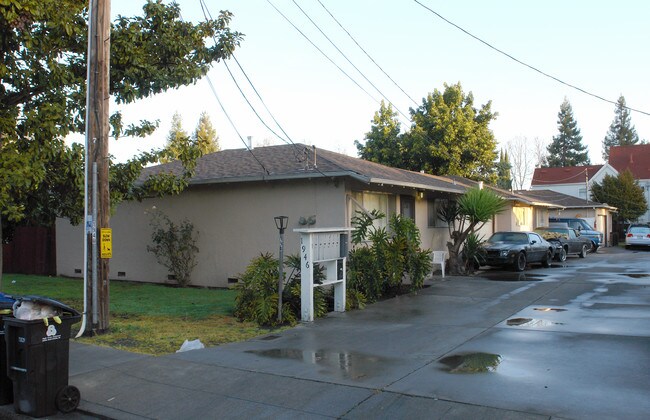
[(571, 341)]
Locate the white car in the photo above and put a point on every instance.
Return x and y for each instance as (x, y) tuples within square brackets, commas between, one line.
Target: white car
[(637, 236)]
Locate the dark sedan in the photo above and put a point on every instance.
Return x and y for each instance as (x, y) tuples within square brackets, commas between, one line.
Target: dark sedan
[(517, 249), (570, 241)]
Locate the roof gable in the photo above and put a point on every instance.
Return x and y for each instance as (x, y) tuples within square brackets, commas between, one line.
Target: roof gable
[(635, 158), (564, 175)]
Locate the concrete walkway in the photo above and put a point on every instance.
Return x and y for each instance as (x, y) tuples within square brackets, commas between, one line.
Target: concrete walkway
[(578, 347)]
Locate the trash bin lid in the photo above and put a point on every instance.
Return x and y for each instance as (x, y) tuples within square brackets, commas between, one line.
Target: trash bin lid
[(47, 301), (6, 302)]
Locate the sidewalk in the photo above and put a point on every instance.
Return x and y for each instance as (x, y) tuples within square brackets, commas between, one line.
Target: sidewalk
[(383, 361)]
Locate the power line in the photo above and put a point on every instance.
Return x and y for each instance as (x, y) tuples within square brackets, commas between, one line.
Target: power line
[(214, 92), (206, 14), (525, 64), (348, 60), (321, 51), (251, 105), (368, 55)]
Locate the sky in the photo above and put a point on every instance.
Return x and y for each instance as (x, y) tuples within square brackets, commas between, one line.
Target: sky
[(599, 46)]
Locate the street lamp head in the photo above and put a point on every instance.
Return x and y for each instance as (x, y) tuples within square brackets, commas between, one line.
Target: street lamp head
[(281, 223)]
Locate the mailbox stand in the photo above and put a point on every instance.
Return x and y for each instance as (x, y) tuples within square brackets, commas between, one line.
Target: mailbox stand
[(326, 247)]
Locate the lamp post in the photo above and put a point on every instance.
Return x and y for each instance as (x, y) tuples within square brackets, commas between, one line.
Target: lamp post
[(281, 224)]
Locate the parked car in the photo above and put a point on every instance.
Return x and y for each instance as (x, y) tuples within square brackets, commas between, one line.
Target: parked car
[(517, 249), (570, 241), (583, 227), (637, 235)]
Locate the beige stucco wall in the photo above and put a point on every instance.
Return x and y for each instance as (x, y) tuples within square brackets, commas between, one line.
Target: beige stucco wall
[(235, 224)]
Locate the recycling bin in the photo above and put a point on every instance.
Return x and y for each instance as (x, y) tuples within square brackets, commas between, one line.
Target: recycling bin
[(38, 361), (6, 388)]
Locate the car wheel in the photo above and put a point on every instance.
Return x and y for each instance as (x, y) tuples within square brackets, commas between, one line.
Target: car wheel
[(583, 251), (520, 262), (546, 262), (561, 255)]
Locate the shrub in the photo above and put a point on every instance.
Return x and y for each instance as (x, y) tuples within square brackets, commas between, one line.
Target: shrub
[(382, 260), (174, 246), (257, 297)]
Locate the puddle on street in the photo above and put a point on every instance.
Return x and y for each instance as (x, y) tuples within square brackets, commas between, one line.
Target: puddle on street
[(471, 362), (550, 309), (531, 322), (505, 276), (636, 275), (350, 365)]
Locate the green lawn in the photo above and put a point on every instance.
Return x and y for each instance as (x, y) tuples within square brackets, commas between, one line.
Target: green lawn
[(148, 318)]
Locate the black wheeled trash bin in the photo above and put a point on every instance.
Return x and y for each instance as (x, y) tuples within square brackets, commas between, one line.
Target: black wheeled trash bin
[(38, 361), (6, 388)]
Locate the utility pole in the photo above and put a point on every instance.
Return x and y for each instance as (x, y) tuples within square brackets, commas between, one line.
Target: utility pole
[(97, 130)]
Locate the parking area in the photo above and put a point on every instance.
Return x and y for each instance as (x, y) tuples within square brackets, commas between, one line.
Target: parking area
[(569, 341)]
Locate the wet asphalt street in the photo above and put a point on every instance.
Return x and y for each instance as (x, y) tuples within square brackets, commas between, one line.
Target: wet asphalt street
[(571, 341)]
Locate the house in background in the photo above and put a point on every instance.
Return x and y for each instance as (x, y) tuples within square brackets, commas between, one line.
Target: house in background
[(636, 159), (575, 181), (563, 205), (522, 213), (234, 196)]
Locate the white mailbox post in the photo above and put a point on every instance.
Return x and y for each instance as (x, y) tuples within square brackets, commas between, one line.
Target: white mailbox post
[(326, 247)]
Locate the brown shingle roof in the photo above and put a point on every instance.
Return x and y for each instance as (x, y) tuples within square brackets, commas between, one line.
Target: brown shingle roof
[(298, 161), (635, 158), (564, 175)]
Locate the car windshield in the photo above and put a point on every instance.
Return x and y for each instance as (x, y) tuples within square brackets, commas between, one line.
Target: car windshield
[(509, 237)]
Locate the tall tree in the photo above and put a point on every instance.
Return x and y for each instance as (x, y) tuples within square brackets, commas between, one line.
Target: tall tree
[(177, 139), (205, 136), (451, 137), (382, 142), (504, 180), (622, 192), (567, 149), (43, 96), (621, 131)]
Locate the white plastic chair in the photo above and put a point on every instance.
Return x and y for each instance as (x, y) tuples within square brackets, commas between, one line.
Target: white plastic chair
[(440, 257)]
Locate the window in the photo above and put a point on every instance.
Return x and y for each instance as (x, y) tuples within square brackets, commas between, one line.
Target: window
[(521, 215), (541, 217), (407, 206), (433, 205), (582, 192), (370, 202)]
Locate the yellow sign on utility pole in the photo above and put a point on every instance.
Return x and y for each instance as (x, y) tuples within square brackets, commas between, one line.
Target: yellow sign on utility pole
[(106, 236)]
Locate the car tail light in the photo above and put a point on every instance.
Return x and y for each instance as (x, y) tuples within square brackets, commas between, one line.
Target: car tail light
[(648, 235), (629, 235)]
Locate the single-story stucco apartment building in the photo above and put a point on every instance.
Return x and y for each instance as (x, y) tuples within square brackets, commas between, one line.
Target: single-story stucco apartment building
[(235, 194)]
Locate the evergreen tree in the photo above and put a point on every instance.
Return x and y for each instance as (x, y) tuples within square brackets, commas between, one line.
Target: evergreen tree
[(177, 139), (621, 131), (622, 192), (567, 149), (504, 180), (382, 142), (205, 136), (451, 137)]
